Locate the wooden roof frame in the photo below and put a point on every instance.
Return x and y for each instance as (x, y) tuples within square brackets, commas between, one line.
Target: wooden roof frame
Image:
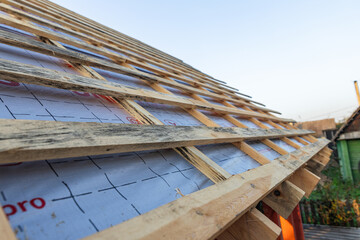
[(207, 214), (346, 124)]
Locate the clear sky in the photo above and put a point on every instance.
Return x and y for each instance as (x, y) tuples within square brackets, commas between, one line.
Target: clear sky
[(298, 57)]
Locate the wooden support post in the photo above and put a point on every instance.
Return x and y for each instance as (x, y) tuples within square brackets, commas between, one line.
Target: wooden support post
[(305, 180), (252, 226), (284, 198)]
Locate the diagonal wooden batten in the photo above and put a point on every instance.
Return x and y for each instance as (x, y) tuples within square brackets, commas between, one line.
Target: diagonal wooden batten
[(14, 71), (6, 231), (215, 208), (208, 167), (27, 140), (69, 55)]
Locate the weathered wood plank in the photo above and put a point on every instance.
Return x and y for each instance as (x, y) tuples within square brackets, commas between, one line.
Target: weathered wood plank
[(305, 180), (252, 226), (26, 140), (215, 208), (284, 198), (246, 148), (18, 72), (208, 167), (315, 166)]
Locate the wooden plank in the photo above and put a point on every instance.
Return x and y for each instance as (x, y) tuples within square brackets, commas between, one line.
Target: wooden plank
[(208, 167), (315, 166), (18, 72), (320, 158), (300, 140), (284, 198), (252, 226), (305, 180), (243, 146), (291, 143), (28, 140), (6, 231), (206, 213), (275, 147)]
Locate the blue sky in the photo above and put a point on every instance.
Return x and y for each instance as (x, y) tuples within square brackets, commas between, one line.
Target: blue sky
[(298, 57)]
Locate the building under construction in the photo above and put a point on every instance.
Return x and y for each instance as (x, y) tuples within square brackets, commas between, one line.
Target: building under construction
[(105, 137)]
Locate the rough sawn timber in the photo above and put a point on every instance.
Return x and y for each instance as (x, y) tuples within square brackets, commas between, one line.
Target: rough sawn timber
[(28, 140)]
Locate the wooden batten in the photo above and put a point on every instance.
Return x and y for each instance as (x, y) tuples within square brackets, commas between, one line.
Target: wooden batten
[(204, 164), (6, 231), (252, 226), (284, 198), (305, 180), (246, 148)]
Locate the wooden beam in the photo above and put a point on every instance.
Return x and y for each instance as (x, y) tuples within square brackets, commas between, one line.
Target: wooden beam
[(206, 213), (18, 72), (243, 146), (6, 231), (305, 180), (320, 158), (315, 166), (284, 198), (28, 140), (252, 226), (208, 167)]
